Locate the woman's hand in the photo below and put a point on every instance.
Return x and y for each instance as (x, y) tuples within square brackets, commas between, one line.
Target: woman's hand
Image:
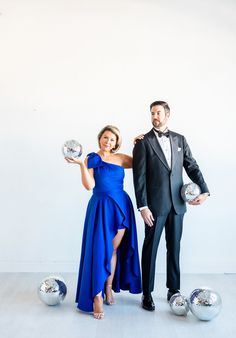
[(74, 160), (139, 137)]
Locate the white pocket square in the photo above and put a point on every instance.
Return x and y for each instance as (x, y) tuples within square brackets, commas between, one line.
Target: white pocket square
[(179, 149)]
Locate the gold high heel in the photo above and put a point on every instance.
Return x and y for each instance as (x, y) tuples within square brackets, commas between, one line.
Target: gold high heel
[(109, 299), (98, 314)]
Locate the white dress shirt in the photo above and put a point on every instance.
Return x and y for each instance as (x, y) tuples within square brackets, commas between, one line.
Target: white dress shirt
[(165, 146)]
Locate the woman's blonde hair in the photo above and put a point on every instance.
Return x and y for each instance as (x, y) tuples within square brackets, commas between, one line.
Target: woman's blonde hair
[(116, 132)]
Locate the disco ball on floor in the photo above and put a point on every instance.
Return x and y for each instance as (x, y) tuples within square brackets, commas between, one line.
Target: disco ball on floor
[(52, 290), (205, 304), (179, 305)]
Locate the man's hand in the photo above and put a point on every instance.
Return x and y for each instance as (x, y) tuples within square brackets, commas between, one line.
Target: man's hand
[(139, 137), (147, 216), (199, 200)]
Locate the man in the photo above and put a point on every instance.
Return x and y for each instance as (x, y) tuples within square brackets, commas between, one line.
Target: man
[(158, 162)]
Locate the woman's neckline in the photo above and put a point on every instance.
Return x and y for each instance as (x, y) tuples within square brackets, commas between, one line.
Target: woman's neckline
[(118, 165)]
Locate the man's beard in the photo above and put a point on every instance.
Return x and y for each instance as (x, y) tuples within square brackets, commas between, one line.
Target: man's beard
[(158, 125)]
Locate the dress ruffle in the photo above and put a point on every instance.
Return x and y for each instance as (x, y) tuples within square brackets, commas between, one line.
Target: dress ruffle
[(94, 160)]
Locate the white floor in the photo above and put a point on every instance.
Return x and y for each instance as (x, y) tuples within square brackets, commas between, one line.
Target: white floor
[(23, 315)]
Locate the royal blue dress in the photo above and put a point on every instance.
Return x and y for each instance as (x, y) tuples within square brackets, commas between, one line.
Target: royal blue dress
[(109, 209)]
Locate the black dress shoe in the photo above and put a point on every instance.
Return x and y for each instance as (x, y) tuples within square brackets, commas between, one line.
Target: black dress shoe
[(147, 303), (170, 293)]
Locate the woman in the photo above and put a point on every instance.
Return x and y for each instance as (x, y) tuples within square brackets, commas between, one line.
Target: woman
[(109, 255)]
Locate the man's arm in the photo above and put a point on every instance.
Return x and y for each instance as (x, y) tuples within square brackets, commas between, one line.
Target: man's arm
[(192, 169), (139, 173)]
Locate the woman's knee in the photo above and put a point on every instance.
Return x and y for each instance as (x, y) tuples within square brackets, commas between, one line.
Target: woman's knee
[(114, 251)]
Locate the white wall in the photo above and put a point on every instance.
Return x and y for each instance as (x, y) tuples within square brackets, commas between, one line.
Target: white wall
[(69, 67)]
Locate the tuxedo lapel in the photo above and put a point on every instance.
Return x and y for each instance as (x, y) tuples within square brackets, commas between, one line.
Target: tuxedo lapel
[(174, 149), (151, 138)]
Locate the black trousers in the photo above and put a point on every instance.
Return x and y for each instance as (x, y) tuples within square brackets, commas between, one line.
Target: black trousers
[(173, 225)]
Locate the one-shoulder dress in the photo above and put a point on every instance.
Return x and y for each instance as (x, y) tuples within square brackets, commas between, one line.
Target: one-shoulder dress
[(109, 210)]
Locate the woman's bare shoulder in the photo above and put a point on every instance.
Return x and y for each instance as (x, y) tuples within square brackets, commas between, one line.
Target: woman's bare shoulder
[(125, 160)]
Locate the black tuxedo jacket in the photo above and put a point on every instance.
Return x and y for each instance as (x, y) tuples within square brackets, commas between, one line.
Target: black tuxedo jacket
[(156, 184)]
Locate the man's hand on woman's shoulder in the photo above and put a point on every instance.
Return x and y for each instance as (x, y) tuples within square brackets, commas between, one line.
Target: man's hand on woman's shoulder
[(138, 138)]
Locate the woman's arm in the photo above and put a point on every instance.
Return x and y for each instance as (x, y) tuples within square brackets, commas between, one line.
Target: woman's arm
[(87, 177), (126, 160)]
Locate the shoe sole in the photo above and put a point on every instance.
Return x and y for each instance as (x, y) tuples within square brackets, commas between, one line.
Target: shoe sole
[(148, 309)]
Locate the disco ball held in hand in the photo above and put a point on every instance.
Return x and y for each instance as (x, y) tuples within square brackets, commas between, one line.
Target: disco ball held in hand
[(179, 305), (190, 191), (205, 304), (52, 290), (72, 148)]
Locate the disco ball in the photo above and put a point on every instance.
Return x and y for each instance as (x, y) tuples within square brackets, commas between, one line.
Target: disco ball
[(179, 305), (205, 304), (52, 290), (72, 148), (190, 191)]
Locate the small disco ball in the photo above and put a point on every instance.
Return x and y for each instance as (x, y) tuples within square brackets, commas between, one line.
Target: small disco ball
[(190, 191), (205, 304), (72, 148), (52, 290), (179, 305)]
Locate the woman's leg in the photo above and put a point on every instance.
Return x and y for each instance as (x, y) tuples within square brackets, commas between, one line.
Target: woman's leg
[(116, 242), (98, 306)]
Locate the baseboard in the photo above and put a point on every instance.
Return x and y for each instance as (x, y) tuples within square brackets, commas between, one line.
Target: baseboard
[(73, 266), (52, 267)]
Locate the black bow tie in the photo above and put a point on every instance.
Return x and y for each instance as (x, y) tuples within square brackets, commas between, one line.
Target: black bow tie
[(161, 133)]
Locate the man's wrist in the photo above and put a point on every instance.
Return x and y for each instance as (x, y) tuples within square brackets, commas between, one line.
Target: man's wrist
[(206, 193), (142, 208)]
